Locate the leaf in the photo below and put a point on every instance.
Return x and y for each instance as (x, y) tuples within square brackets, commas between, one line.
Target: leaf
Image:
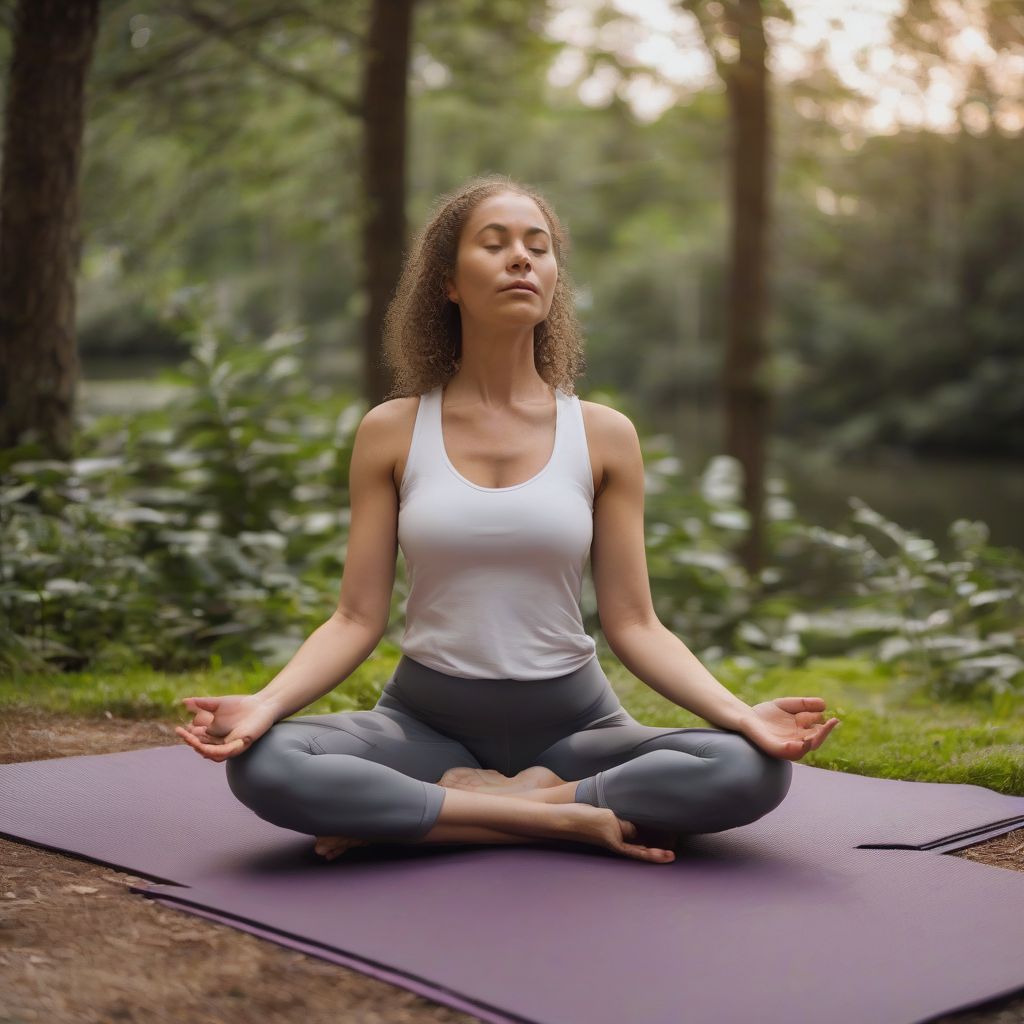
[(989, 597)]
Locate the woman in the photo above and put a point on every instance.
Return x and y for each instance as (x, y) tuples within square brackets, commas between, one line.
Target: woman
[(498, 725)]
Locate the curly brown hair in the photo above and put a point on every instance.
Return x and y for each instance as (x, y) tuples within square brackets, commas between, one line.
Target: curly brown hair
[(422, 342)]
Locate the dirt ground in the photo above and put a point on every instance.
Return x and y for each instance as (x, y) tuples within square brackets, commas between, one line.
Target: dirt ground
[(77, 946)]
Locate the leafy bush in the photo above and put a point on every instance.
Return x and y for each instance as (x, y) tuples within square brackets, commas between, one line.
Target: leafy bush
[(199, 528), (217, 526), (869, 589)]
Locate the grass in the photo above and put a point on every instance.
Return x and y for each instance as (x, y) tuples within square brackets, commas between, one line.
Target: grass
[(887, 729)]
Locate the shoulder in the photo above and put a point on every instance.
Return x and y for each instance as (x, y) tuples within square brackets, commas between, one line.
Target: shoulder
[(390, 416), (385, 431), (612, 430), (612, 438)]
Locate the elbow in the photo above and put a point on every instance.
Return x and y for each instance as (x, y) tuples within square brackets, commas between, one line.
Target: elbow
[(373, 629), (620, 635)]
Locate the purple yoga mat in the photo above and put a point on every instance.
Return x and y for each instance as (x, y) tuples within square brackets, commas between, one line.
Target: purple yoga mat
[(788, 918), (722, 934)]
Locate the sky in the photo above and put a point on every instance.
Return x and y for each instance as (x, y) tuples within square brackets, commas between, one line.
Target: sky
[(853, 35)]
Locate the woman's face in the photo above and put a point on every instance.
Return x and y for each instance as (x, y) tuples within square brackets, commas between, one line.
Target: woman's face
[(505, 240)]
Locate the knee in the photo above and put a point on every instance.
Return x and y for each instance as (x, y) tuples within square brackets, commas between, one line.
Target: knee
[(259, 774), (756, 781)]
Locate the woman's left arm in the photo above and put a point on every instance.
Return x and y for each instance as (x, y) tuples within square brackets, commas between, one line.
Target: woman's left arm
[(785, 727)]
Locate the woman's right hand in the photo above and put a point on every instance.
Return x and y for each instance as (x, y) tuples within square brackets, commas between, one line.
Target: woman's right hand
[(225, 726)]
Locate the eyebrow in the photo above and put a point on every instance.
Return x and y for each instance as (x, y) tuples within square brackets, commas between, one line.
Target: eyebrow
[(501, 227)]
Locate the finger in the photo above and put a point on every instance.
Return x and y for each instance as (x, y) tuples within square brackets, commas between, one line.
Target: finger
[(201, 733), (214, 752), (190, 740), (796, 704), (227, 747), (631, 831), (650, 853), (814, 740), (823, 732), (794, 749), (806, 719), (220, 753), (200, 716), (194, 742), (202, 703)]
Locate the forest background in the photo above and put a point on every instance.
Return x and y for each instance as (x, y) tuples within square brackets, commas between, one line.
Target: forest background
[(797, 251), (796, 243)]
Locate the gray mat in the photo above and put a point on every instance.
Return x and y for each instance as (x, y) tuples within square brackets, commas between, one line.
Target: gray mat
[(790, 918)]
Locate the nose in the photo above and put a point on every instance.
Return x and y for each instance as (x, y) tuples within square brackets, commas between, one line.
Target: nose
[(520, 256)]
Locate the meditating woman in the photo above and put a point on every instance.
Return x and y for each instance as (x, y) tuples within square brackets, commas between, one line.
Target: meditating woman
[(498, 724)]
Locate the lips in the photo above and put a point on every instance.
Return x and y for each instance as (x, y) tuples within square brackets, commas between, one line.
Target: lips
[(521, 285)]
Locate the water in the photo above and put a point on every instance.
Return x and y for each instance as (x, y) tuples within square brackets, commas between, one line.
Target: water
[(923, 495)]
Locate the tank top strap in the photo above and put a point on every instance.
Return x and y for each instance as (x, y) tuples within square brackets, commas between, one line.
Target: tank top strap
[(425, 459), (575, 453)]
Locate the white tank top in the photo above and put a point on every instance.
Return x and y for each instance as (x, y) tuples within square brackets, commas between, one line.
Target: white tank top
[(496, 573)]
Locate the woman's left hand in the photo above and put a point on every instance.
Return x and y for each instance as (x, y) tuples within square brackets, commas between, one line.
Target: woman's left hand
[(788, 727)]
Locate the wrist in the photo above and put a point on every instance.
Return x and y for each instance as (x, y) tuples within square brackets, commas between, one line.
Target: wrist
[(271, 705), (735, 717)]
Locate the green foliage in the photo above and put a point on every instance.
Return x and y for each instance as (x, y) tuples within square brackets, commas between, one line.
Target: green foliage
[(869, 589), (959, 624), (898, 305), (142, 692), (206, 529), (200, 528)]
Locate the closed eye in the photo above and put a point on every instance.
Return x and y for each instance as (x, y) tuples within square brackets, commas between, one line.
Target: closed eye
[(539, 252)]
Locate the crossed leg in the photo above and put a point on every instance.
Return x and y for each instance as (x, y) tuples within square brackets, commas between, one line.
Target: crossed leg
[(366, 776), (680, 780), (358, 777)]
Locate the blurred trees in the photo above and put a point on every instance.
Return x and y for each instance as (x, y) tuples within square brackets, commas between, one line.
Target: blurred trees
[(738, 26), (893, 309), (274, 150), (44, 118)]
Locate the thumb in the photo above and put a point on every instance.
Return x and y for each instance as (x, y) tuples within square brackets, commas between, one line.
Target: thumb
[(628, 829), (239, 741), (206, 703)]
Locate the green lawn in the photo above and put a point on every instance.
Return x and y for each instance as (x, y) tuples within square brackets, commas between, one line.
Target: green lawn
[(886, 729)]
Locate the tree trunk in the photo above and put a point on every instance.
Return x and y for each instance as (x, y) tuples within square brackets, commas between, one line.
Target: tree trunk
[(53, 43), (747, 393), (385, 100)]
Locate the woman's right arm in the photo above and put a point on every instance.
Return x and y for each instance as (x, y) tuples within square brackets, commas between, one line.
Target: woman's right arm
[(335, 649)]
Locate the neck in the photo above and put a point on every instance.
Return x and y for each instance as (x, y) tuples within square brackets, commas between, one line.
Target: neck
[(497, 368)]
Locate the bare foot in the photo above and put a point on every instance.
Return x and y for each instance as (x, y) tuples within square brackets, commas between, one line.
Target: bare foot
[(486, 780), (600, 826), (330, 847)]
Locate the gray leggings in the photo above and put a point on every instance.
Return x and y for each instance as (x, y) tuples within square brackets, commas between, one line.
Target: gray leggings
[(372, 774)]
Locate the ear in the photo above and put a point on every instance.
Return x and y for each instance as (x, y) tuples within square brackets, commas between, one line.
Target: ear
[(450, 290)]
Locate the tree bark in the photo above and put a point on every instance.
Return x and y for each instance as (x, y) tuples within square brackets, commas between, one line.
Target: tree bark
[(53, 42), (747, 393), (385, 102)]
